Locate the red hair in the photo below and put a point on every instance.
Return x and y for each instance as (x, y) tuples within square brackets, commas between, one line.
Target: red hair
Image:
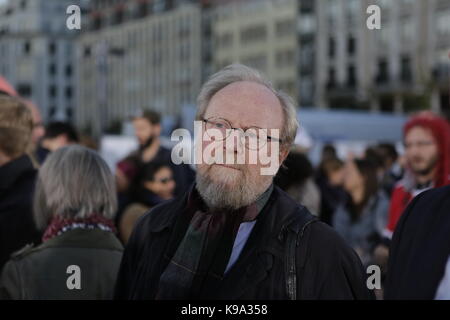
[(440, 129)]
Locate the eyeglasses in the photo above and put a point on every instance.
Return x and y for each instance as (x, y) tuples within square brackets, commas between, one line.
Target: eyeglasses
[(254, 138)]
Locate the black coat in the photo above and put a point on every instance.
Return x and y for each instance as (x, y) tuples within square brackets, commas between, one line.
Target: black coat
[(420, 247), (331, 271), (17, 227)]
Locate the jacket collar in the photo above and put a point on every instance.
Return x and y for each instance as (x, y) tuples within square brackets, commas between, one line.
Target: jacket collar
[(13, 170), (82, 238)]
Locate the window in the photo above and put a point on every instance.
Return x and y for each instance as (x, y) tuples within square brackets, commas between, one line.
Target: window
[(27, 48), (351, 45), (383, 71), (97, 23), (405, 69), (51, 111), (52, 91), (307, 92), (185, 52), (225, 40), (284, 28), (407, 29), (331, 48), (52, 69), (442, 22), (23, 4), (87, 51), (331, 78), (69, 112), (68, 92), (24, 89), (118, 16), (351, 76), (51, 48), (143, 9), (284, 59), (69, 71), (184, 29), (253, 34), (258, 62), (306, 6)]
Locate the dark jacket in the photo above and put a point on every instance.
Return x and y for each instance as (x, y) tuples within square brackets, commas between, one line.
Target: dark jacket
[(17, 227), (42, 272), (331, 271), (420, 247)]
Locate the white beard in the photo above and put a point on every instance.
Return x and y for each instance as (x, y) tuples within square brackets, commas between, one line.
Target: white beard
[(233, 191)]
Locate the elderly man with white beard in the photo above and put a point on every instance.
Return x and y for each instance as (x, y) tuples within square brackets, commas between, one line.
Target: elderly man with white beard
[(235, 235)]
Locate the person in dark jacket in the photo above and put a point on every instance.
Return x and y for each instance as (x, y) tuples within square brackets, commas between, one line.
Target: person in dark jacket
[(75, 202), (17, 177), (234, 235), (419, 260)]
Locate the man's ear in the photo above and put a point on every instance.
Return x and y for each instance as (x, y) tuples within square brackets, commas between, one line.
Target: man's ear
[(283, 154)]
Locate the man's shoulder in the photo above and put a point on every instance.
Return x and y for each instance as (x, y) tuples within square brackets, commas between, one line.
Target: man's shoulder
[(23, 252), (435, 195), (433, 202), (325, 244), (324, 236)]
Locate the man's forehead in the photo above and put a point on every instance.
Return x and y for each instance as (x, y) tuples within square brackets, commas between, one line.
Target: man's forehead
[(247, 104)]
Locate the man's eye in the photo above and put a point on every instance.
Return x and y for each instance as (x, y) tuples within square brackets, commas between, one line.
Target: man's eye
[(219, 125)]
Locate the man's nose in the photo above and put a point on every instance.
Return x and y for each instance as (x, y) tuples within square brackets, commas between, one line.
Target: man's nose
[(234, 142)]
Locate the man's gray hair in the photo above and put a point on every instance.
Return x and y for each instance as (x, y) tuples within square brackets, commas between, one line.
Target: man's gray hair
[(74, 182), (238, 72)]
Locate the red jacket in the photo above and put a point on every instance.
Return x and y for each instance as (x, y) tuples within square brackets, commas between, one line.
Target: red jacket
[(399, 201)]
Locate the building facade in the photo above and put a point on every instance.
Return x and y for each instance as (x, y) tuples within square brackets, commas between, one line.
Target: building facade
[(402, 67), (261, 34), (138, 61), (37, 54)]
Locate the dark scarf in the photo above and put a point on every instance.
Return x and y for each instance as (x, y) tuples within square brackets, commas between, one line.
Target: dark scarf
[(59, 225), (197, 267), (147, 197)]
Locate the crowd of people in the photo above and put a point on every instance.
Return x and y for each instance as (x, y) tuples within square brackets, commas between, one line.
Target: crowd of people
[(61, 205)]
